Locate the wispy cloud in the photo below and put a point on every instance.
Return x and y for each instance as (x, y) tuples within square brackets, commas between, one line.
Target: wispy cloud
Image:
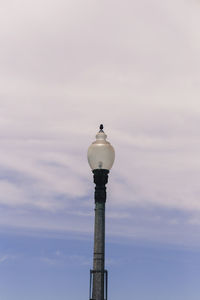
[(6, 257), (60, 259), (140, 79)]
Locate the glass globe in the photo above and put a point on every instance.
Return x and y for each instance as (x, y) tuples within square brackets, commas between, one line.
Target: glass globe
[(101, 154)]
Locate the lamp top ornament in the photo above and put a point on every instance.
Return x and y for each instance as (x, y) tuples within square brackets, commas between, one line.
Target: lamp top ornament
[(101, 154)]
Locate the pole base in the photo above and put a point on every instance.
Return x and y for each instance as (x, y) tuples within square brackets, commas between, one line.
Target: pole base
[(105, 283)]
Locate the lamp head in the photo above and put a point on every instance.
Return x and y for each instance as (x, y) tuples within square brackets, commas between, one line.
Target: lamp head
[(101, 154)]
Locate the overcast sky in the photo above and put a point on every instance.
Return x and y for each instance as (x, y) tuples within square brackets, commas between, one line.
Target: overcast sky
[(67, 66)]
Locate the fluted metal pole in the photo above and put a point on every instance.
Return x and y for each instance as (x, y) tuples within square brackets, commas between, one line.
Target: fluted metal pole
[(100, 179)]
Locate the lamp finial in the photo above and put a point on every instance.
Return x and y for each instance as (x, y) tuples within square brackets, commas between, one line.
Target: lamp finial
[(101, 127)]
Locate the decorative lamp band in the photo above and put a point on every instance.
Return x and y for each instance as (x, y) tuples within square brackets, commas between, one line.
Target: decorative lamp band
[(100, 179)]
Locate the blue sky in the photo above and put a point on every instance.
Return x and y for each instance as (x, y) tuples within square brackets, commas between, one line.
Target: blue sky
[(66, 67), (50, 266)]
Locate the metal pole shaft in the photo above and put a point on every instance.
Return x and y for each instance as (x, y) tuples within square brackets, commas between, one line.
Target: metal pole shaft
[(100, 179), (99, 252)]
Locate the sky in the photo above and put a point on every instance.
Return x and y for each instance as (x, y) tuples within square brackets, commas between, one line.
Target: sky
[(65, 68)]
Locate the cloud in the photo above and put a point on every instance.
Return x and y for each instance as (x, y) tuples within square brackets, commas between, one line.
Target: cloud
[(68, 67), (3, 258), (63, 260), (6, 257)]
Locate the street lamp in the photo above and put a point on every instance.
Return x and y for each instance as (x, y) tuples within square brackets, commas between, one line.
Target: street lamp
[(101, 157)]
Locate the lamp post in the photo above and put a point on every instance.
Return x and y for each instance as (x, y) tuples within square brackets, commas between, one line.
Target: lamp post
[(101, 157)]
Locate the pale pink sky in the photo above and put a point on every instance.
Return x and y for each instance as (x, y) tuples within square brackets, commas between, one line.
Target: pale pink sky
[(66, 68)]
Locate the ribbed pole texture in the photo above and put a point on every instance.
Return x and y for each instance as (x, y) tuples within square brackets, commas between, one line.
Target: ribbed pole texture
[(100, 179), (99, 252)]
